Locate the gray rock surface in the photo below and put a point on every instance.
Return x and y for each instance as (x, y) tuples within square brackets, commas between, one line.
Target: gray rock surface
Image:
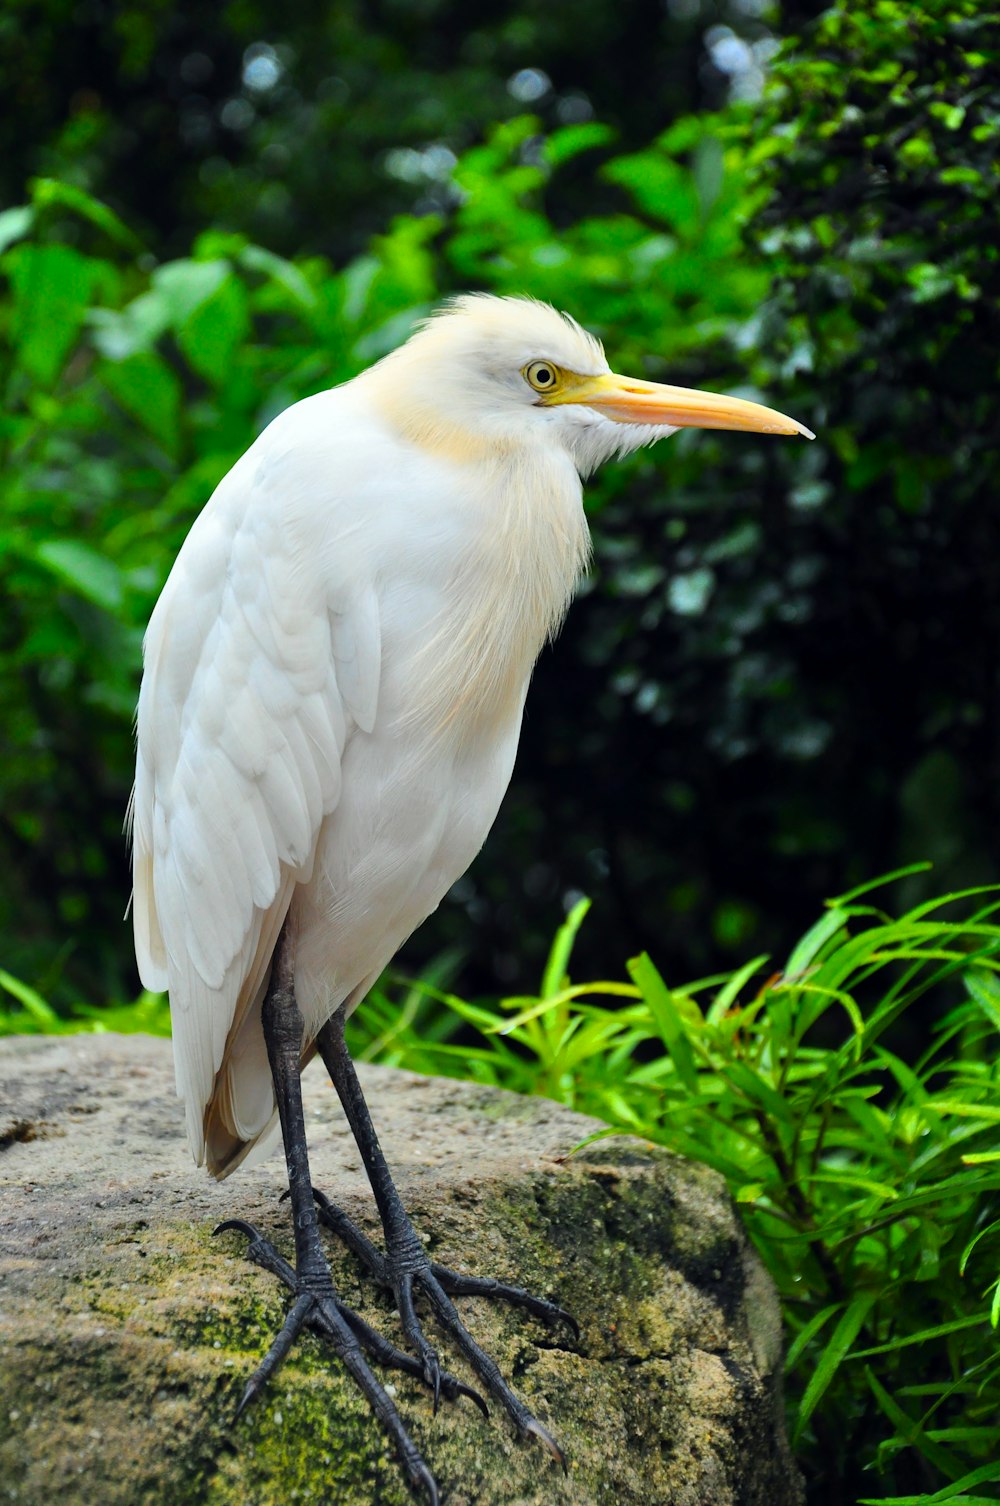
[(127, 1332)]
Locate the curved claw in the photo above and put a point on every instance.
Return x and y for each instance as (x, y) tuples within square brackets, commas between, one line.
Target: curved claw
[(242, 1227), (459, 1388), (421, 1475), (249, 1395), (432, 1375), (545, 1438)]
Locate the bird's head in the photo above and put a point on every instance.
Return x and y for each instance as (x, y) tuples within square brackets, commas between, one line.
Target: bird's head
[(489, 372)]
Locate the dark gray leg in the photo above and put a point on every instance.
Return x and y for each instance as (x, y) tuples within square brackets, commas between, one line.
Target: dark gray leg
[(316, 1303), (406, 1265)]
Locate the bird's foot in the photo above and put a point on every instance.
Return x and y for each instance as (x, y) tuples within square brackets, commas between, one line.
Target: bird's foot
[(317, 1307), (406, 1269)]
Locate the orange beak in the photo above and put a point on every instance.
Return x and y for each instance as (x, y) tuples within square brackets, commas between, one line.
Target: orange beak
[(630, 401)]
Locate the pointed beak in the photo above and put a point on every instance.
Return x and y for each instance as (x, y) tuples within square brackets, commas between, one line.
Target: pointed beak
[(628, 400)]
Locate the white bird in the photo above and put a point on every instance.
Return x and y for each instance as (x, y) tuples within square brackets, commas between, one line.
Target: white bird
[(331, 701)]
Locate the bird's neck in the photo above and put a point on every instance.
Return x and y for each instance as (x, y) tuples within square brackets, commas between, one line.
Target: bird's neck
[(509, 586)]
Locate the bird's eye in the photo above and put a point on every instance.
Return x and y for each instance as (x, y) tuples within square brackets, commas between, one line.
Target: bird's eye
[(541, 375)]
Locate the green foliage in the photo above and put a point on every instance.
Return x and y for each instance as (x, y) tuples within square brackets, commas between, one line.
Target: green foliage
[(131, 388), (774, 683), (28, 1013), (869, 1182), (308, 127)]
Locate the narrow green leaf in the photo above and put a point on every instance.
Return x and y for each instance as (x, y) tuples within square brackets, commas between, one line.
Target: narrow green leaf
[(989, 1113), (557, 966), (984, 988), (46, 192), (667, 1018), (937, 1332), (836, 1351), (959, 1498), (31, 1000), (732, 988), (991, 1228), (852, 1179), (909, 1429), (879, 883), (815, 939), (816, 1322), (758, 1091)]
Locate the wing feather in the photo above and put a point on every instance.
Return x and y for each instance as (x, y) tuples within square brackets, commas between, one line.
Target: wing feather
[(259, 664)]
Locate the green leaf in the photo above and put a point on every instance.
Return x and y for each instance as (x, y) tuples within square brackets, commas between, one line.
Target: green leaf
[(925, 1334), (758, 1091), (984, 988), (49, 192), (660, 187), (15, 223), (40, 1011), (214, 329), (816, 1322), (185, 284), (285, 273), (882, 882), (667, 1018), (86, 572), (557, 966), (813, 942), (910, 1430), (732, 988), (569, 141), (958, 1490), (52, 287), (833, 1356), (149, 389), (989, 1113)]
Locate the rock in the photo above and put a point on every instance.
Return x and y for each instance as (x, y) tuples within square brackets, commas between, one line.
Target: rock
[(127, 1332)]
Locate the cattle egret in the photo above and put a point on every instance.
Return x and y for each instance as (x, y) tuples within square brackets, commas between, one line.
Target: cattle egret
[(330, 707)]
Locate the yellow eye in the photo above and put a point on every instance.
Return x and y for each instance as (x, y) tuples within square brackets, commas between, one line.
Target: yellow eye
[(541, 375)]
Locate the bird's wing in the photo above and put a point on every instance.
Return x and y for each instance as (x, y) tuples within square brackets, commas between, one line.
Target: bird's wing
[(257, 670)]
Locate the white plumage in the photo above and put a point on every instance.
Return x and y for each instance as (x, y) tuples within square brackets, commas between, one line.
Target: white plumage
[(336, 670)]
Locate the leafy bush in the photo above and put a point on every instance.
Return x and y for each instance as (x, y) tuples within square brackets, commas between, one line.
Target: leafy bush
[(869, 1182)]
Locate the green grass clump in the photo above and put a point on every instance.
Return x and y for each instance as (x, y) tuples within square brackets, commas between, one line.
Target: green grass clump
[(25, 1012), (851, 1102)]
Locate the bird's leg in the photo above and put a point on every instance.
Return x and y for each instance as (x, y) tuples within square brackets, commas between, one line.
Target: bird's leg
[(406, 1265), (316, 1304)]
